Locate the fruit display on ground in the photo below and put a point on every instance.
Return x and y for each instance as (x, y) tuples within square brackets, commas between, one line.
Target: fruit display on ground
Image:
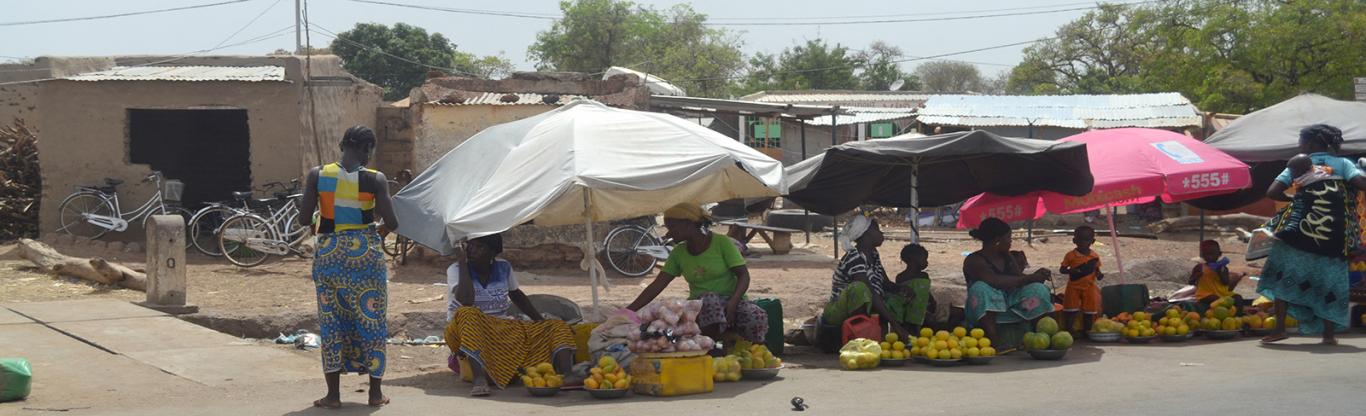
[(1140, 326), (1047, 336), (754, 357), (1222, 316), (1176, 322), (946, 345), (1106, 325), (607, 375), (542, 376), (727, 368), (860, 354), (893, 348)]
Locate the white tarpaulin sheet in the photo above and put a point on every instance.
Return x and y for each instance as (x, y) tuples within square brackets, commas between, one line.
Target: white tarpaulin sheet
[(538, 169)]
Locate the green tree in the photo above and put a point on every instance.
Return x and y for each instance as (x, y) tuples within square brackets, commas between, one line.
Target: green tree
[(674, 44), (487, 67), (1225, 55), (949, 76), (881, 69), (815, 65), (371, 51)]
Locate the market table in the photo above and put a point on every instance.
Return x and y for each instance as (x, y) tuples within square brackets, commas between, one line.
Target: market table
[(779, 239)]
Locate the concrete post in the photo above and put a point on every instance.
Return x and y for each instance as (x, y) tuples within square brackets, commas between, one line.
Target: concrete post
[(166, 265)]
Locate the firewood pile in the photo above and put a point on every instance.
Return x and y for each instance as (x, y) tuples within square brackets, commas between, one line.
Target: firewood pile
[(20, 183)]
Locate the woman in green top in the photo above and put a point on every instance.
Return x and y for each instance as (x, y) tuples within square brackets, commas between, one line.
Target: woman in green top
[(716, 274)]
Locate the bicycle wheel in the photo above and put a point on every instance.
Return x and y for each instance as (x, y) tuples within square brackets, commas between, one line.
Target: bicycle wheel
[(204, 227), (623, 252), (79, 206), (232, 239), (404, 247)]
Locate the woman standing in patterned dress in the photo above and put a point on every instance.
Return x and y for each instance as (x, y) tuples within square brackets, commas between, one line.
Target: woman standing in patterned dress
[(348, 268)]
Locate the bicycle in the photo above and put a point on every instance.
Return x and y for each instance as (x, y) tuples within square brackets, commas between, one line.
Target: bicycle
[(395, 245), (633, 249), (93, 211), (206, 223), (247, 239)]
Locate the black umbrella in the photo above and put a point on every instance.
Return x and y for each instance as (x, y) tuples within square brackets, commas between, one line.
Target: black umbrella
[(935, 171)]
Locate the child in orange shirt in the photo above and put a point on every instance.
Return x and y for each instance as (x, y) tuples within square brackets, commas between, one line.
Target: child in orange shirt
[(1211, 278), (1082, 268)]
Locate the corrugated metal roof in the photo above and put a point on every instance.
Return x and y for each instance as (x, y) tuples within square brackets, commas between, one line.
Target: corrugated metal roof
[(1070, 111), (509, 98), (888, 98), (185, 73), (864, 115)]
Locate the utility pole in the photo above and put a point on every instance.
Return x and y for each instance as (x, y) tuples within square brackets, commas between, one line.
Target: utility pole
[(298, 27)]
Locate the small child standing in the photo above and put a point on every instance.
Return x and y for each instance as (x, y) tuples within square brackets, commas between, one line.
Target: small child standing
[(1082, 268), (911, 300)]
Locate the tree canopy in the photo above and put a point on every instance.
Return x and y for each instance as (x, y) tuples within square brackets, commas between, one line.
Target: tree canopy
[(674, 44), (949, 76), (1226, 56), (399, 58)]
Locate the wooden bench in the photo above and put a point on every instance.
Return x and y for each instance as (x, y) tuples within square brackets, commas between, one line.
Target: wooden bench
[(779, 239)]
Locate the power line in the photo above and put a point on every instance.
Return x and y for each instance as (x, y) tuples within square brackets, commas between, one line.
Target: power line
[(910, 20), (108, 16), (249, 23), (883, 16), (526, 15)]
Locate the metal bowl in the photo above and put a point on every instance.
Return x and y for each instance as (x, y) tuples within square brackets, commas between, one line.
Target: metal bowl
[(608, 393), (945, 363), (762, 373), (978, 360), (920, 359), (888, 362), (1139, 340), (542, 391), (1047, 354), (1174, 338), (1104, 336), (1222, 334), (1258, 332)]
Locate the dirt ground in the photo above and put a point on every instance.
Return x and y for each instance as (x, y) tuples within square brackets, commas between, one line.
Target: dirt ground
[(279, 295)]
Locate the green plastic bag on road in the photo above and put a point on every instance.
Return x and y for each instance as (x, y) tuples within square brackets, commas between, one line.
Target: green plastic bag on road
[(15, 376)]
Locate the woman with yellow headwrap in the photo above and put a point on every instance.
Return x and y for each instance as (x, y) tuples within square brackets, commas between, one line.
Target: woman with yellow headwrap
[(716, 274)]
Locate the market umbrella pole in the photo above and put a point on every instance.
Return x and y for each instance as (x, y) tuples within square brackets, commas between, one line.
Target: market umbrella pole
[(590, 252), (915, 202), (1114, 239)]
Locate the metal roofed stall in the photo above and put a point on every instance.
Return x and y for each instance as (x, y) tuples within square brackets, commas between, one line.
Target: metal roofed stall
[(935, 170), (1159, 110), (185, 73)]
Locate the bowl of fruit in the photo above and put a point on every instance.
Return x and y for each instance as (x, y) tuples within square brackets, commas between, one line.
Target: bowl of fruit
[(541, 380), (1048, 355), (948, 348), (607, 380), (896, 353), (1048, 343), (1222, 334), (757, 363), (1106, 330)]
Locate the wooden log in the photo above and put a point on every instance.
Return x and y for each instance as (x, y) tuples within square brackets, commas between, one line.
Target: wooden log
[(96, 270)]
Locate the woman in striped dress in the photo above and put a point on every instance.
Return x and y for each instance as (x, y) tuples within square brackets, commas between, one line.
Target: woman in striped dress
[(348, 267)]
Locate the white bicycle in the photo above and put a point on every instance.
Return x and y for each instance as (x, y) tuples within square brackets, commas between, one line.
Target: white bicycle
[(248, 239), (93, 211)]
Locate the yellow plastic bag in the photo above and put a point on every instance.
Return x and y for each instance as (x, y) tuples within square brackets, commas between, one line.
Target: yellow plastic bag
[(860, 354)]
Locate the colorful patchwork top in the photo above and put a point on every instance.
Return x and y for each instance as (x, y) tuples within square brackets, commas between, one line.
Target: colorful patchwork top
[(346, 199)]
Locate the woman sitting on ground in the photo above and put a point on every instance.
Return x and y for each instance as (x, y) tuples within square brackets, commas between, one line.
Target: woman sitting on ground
[(998, 289), (482, 330), (860, 284), (716, 274)]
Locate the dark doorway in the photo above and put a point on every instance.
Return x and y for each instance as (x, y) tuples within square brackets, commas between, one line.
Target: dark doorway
[(208, 150)]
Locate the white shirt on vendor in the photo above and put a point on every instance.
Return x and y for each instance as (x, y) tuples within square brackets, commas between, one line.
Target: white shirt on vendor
[(491, 298)]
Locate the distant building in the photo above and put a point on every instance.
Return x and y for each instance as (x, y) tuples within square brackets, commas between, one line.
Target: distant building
[(869, 115), (1056, 116), (218, 124)]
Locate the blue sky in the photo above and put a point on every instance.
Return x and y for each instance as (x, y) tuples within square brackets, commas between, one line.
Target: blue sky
[(191, 30)]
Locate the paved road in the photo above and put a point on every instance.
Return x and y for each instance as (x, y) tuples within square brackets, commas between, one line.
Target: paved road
[(1236, 377)]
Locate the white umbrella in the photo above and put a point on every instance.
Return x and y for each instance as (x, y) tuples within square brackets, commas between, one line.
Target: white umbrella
[(582, 163)]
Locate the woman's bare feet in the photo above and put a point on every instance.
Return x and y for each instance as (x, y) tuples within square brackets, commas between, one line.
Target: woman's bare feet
[(1329, 341), (380, 402), (1274, 338), (479, 390)]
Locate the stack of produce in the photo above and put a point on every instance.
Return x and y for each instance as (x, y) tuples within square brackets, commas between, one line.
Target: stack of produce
[(1107, 326), (542, 376), (727, 368), (669, 326), (1141, 326), (893, 348), (1258, 321), (607, 375), (754, 357), (1047, 336), (860, 354), (1222, 316), (977, 344), (1175, 322)]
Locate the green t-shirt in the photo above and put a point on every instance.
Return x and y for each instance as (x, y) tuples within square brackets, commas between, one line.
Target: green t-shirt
[(708, 272)]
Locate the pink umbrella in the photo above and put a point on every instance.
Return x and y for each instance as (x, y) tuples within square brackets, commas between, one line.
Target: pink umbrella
[(1131, 166)]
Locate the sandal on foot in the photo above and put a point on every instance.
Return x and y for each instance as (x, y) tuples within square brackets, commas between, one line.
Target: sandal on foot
[(380, 403), (1274, 338), (326, 405), (479, 391)]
